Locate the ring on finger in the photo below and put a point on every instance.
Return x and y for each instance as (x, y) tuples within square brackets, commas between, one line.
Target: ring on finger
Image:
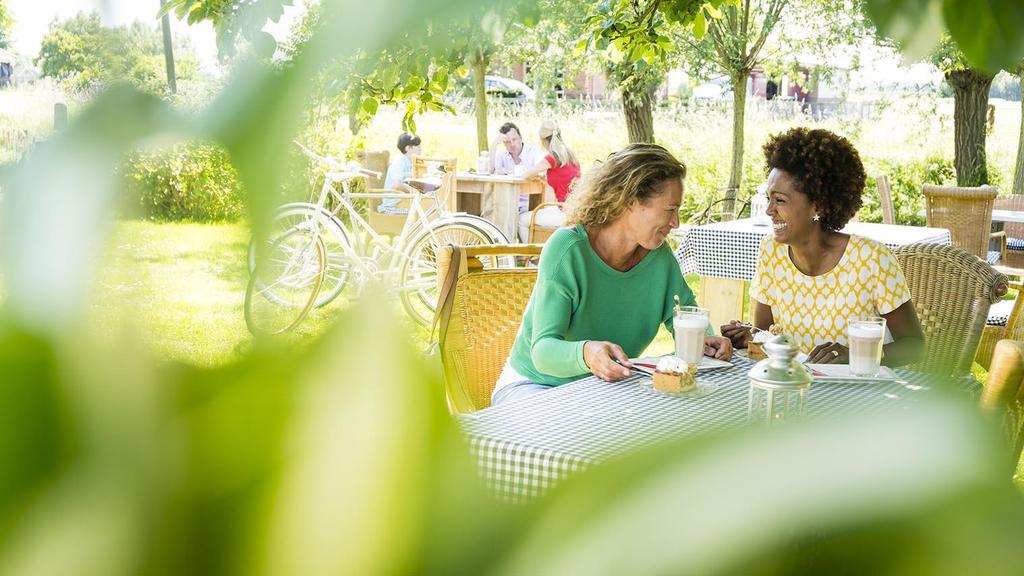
[(835, 353)]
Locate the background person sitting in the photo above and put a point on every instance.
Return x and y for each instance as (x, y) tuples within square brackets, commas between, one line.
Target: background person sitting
[(607, 282), (811, 277), (399, 170), (511, 153), (561, 169)]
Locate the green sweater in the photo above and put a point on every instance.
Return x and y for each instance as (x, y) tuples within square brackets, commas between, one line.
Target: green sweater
[(578, 297)]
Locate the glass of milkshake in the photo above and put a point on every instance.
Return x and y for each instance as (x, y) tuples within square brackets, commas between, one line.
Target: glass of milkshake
[(865, 335), (690, 325)]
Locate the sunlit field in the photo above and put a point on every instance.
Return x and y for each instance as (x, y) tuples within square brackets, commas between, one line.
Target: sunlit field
[(180, 287)]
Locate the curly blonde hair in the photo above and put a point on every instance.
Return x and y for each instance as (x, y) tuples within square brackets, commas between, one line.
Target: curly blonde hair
[(627, 176)]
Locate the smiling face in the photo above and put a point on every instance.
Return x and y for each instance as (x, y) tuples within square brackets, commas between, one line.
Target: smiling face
[(513, 142), (650, 223), (791, 211)]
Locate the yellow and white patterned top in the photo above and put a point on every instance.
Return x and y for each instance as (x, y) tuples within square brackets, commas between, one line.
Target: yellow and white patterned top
[(867, 280)]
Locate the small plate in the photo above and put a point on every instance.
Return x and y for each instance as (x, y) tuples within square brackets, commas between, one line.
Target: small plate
[(703, 389), (651, 362), (825, 372)]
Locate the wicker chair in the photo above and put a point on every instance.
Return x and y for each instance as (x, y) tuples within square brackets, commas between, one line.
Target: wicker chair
[(1004, 390), (1013, 246), (485, 316), (427, 165), (952, 291), (392, 223), (1013, 329), (965, 212), (378, 162), (538, 234)]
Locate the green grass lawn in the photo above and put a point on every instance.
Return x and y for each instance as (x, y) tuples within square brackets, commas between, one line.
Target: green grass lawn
[(180, 288)]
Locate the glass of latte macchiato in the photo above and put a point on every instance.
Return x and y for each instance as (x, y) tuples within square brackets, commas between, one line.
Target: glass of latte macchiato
[(690, 325), (865, 335)]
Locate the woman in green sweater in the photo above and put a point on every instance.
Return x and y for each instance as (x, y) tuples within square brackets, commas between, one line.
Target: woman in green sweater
[(607, 281)]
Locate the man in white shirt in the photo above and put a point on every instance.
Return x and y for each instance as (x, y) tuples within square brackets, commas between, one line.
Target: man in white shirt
[(514, 153)]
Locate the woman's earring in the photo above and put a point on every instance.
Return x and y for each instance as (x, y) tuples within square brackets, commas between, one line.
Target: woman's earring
[(816, 218)]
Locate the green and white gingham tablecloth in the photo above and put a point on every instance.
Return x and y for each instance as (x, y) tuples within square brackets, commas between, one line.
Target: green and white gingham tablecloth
[(729, 249), (525, 447)]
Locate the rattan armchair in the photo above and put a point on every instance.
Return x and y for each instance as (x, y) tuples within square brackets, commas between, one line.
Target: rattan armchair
[(377, 161), (446, 168), (392, 224), (1013, 241), (1004, 390), (965, 212), (538, 233), (952, 291), (992, 334), (485, 315)]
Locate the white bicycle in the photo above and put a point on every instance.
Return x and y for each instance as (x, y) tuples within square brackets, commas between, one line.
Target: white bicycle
[(313, 254)]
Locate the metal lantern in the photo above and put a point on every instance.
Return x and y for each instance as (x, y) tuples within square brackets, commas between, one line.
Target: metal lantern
[(759, 206), (778, 384)]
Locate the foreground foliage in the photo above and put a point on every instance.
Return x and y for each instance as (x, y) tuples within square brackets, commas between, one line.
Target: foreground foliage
[(339, 457)]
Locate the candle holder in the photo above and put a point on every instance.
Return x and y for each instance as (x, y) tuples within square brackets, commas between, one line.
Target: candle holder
[(779, 385)]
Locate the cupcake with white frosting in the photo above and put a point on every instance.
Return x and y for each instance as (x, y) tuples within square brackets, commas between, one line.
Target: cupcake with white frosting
[(674, 375)]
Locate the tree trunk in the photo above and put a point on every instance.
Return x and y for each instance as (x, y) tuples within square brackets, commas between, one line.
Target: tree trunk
[(478, 64), (970, 109), (165, 24), (739, 112), (638, 107), (1018, 170)]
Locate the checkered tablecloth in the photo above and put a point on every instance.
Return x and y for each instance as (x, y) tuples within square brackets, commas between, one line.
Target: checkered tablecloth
[(525, 447), (729, 249)]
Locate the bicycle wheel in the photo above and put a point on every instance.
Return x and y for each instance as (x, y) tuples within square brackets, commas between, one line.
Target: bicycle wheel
[(333, 234), (284, 287), (497, 237), (487, 227), (418, 275)]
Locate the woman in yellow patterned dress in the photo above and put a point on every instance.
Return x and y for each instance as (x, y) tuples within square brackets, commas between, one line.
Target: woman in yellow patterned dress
[(811, 277)]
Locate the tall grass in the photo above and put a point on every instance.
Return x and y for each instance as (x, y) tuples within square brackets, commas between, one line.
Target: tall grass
[(904, 131)]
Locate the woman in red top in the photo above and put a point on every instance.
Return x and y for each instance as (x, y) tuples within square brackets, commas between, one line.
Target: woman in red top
[(561, 168)]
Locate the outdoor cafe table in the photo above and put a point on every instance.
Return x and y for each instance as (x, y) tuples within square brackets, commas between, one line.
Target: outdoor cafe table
[(724, 254), (496, 197), (525, 447), (1015, 216)]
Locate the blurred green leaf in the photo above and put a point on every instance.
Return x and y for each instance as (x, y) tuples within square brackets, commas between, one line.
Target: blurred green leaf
[(738, 503), (61, 196), (700, 25), (990, 33)]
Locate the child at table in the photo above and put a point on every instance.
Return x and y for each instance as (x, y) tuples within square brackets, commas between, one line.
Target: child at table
[(398, 171)]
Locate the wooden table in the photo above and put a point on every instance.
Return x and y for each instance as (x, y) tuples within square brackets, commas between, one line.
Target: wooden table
[(724, 254), (496, 197)]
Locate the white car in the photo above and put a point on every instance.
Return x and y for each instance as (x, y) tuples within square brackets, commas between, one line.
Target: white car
[(715, 89), (508, 90)]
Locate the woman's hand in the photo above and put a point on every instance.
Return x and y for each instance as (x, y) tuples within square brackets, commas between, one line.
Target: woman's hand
[(737, 332), (718, 347), (829, 353), (601, 357)]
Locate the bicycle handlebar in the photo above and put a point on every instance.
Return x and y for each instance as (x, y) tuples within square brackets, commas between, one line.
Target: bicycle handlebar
[(350, 170)]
